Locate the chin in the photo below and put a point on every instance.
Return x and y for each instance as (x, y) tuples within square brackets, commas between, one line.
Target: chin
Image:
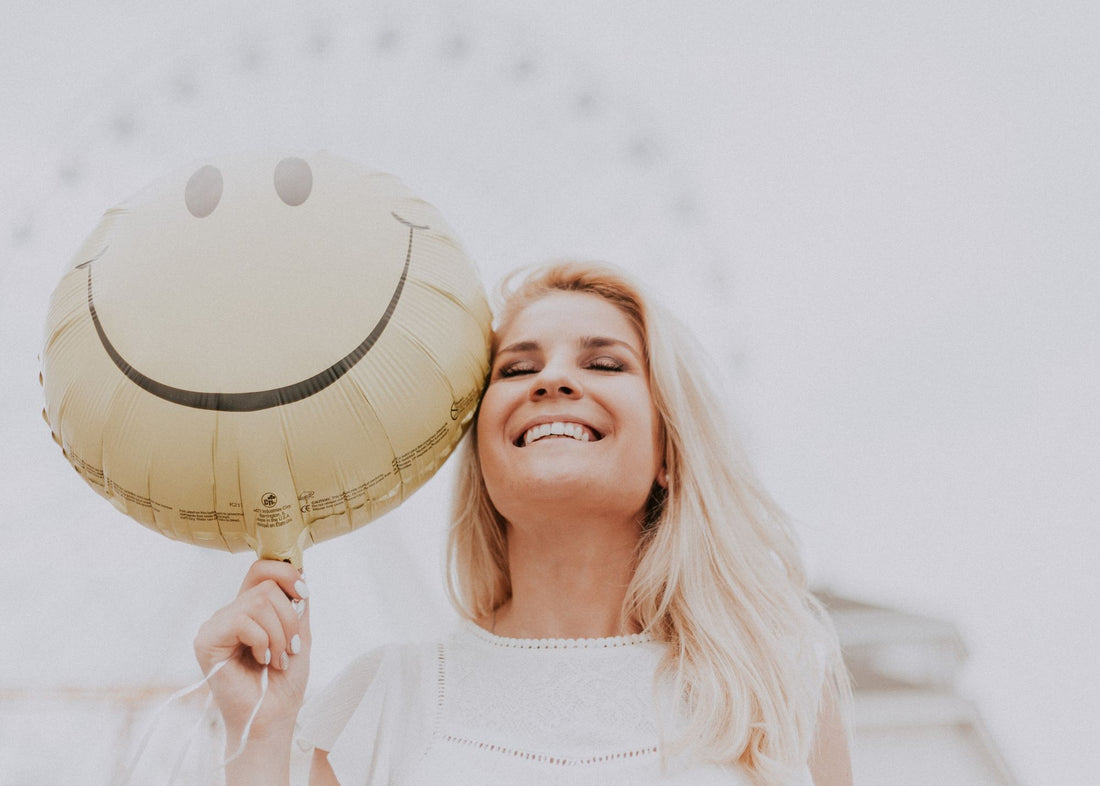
[(570, 495)]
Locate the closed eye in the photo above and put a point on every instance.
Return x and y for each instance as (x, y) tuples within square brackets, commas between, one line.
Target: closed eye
[(517, 368), (605, 363), (521, 367)]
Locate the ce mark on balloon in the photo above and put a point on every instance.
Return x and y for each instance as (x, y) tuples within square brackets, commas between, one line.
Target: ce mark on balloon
[(252, 401)]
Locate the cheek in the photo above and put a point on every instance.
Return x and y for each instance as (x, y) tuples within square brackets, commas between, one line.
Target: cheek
[(651, 425), (489, 431), (657, 454), (658, 438), (489, 416)]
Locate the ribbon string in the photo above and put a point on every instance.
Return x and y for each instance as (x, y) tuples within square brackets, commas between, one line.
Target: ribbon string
[(128, 773)]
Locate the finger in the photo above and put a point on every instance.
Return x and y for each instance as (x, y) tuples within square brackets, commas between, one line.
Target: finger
[(287, 614), (301, 611), (262, 611), (282, 573), (254, 637), (221, 636)]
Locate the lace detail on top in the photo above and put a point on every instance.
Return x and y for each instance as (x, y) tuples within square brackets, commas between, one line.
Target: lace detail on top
[(539, 757), (575, 700), (555, 644)]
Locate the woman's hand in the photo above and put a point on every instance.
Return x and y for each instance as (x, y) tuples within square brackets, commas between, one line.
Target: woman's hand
[(267, 624)]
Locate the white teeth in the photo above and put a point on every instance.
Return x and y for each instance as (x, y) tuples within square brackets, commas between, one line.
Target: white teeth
[(557, 428)]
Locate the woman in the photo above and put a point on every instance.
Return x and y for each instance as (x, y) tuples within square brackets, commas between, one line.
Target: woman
[(634, 608)]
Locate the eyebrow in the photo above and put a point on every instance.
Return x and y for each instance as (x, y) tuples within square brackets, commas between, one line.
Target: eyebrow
[(584, 342), (519, 346)]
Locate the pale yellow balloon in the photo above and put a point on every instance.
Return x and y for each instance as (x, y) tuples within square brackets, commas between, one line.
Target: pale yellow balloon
[(265, 352)]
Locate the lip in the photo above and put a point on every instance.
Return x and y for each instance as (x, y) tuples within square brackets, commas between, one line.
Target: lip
[(517, 440)]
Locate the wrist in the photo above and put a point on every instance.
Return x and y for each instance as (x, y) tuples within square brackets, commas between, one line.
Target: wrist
[(264, 759), (270, 735)]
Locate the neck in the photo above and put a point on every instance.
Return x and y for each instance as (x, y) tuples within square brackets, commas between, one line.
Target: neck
[(569, 579)]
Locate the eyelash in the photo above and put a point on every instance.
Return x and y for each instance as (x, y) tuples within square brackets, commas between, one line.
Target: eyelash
[(521, 367), (515, 370), (607, 364)]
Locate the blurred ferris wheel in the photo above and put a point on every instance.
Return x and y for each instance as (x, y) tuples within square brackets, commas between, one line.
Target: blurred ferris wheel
[(527, 153)]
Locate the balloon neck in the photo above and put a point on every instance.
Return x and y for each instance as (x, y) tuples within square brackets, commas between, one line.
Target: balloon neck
[(292, 555)]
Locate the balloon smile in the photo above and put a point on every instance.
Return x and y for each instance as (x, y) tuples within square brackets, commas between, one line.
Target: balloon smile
[(251, 401)]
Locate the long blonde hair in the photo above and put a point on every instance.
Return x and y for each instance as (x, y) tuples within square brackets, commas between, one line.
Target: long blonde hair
[(718, 578)]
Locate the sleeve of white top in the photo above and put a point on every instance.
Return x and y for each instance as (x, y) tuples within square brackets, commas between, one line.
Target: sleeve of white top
[(373, 717), (356, 692)]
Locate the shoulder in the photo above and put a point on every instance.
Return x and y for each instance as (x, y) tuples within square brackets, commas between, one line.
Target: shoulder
[(355, 679), (830, 758), (360, 691)]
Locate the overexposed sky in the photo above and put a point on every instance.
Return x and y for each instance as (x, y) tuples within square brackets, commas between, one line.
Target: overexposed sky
[(881, 219)]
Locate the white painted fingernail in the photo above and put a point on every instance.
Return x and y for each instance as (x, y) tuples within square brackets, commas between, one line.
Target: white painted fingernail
[(295, 644), (301, 589), (267, 657), (299, 607), (284, 661)]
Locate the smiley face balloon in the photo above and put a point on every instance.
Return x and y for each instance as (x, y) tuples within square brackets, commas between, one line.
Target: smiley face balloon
[(265, 352)]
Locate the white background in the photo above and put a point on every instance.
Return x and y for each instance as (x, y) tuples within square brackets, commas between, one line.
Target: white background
[(882, 218)]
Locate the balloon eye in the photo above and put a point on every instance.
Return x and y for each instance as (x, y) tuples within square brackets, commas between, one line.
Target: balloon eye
[(293, 181), (204, 191)]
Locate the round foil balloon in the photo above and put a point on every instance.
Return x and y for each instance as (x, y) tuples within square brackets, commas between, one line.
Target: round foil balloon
[(265, 352)]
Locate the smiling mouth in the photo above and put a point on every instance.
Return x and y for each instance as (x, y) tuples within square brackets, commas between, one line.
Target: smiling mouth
[(254, 400), (558, 429)]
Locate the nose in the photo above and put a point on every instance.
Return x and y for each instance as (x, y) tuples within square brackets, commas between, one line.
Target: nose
[(555, 381)]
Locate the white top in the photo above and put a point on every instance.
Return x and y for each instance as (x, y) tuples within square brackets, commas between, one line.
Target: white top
[(478, 708)]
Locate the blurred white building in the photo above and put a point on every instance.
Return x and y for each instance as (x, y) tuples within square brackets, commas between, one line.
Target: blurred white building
[(910, 725)]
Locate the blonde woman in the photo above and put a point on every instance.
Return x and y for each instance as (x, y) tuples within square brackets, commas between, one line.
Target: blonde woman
[(634, 610)]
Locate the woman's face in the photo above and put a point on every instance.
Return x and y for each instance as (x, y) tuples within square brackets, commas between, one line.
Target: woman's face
[(567, 424)]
